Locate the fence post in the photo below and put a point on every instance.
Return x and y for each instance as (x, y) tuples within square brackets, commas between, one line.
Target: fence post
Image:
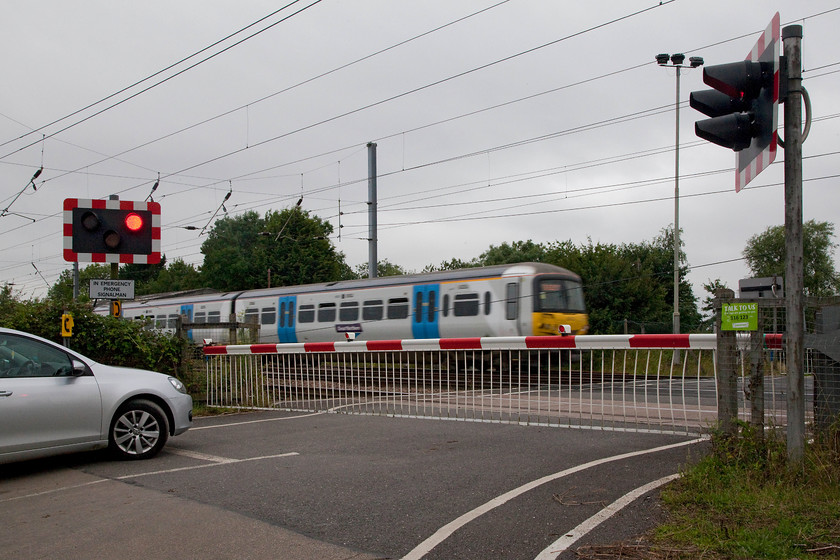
[(725, 368), (181, 335), (757, 377)]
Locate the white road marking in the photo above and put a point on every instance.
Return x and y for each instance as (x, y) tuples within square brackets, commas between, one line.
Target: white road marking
[(199, 456), (194, 428), (563, 543), (54, 490), (447, 530), (212, 461), (204, 466)]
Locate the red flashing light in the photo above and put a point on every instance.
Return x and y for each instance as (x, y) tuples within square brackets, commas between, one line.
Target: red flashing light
[(134, 222)]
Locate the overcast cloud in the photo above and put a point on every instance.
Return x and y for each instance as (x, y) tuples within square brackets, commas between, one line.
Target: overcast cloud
[(533, 119)]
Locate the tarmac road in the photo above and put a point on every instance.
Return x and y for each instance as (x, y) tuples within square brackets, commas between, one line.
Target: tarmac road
[(329, 486)]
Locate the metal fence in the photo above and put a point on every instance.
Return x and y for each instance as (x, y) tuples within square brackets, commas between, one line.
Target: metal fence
[(663, 383)]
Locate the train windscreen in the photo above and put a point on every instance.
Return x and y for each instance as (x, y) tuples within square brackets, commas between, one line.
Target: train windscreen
[(556, 295)]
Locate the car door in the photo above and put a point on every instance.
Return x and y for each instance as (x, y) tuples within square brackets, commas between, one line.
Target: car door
[(43, 402)]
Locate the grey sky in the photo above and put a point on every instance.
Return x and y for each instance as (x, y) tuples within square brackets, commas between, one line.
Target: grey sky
[(535, 119)]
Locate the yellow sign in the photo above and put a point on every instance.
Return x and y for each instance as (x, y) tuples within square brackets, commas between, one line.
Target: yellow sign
[(116, 308), (66, 325)]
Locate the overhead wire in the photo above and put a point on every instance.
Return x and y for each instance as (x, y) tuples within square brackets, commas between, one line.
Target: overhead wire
[(164, 80), (345, 182)]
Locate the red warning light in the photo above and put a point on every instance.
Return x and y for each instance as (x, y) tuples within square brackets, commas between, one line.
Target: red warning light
[(134, 222)]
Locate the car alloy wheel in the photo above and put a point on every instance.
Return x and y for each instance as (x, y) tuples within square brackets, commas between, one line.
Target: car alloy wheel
[(139, 430)]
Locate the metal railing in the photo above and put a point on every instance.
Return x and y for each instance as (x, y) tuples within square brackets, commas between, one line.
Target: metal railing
[(604, 382)]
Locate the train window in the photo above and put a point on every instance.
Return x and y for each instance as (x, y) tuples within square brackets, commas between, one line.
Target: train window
[(432, 305), (172, 321), (372, 310), (160, 322), (511, 301), (268, 315), (466, 305), (574, 295), (306, 314), (559, 295), (326, 313), (488, 299), (418, 307), (282, 313), (214, 316), (349, 311), (252, 315), (398, 308), (446, 305), (200, 317), (291, 314)]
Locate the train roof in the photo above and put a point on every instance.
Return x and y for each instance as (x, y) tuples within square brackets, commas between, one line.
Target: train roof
[(505, 270), (495, 271)]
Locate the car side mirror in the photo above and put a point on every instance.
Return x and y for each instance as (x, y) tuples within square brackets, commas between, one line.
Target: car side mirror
[(79, 368)]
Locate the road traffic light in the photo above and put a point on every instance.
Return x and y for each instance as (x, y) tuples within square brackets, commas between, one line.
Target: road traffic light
[(744, 106), (111, 231)]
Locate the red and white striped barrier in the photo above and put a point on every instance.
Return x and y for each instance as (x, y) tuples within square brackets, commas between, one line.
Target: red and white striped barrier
[(587, 342)]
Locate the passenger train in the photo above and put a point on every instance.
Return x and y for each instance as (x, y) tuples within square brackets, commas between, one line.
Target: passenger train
[(522, 299)]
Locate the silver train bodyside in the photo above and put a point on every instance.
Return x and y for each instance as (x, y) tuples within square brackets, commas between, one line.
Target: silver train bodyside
[(522, 299)]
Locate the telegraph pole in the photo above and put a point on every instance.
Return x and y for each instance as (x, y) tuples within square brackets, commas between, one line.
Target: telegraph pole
[(792, 40), (372, 256)]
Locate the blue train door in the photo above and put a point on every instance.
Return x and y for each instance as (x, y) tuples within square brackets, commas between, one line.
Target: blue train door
[(286, 319), (424, 322), (188, 311)]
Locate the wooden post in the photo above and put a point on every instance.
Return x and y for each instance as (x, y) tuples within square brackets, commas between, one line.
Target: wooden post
[(725, 369)]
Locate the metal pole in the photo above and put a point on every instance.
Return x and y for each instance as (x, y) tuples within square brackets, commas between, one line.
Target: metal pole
[(677, 219), (115, 266), (75, 280), (792, 39), (372, 257)]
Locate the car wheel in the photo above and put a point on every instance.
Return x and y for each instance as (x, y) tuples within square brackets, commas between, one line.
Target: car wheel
[(139, 430)]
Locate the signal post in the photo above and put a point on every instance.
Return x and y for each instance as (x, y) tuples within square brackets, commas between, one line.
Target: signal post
[(744, 118)]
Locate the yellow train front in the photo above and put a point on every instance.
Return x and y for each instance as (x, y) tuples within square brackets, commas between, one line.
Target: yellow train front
[(559, 306)]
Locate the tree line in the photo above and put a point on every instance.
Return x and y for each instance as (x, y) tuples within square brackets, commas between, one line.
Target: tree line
[(627, 285)]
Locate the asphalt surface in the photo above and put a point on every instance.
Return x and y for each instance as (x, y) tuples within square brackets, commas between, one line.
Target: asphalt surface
[(329, 486)]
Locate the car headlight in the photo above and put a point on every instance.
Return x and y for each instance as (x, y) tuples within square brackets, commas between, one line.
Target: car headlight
[(180, 387)]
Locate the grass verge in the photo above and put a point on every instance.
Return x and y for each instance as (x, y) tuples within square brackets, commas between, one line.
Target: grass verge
[(745, 500)]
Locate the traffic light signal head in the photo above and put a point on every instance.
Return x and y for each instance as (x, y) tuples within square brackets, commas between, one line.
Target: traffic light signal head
[(111, 231), (743, 106)]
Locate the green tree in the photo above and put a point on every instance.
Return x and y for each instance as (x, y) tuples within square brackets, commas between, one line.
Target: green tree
[(617, 285), (62, 290), (383, 268), (142, 274), (708, 309), (766, 256), (177, 276), (285, 248), (656, 258), (509, 253), (453, 264)]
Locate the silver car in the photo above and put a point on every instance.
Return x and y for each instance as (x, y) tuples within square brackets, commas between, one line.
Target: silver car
[(54, 400)]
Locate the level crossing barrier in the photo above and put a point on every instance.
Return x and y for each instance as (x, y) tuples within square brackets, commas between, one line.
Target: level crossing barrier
[(661, 383)]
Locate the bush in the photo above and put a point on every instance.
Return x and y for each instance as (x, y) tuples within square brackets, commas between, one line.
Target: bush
[(105, 339)]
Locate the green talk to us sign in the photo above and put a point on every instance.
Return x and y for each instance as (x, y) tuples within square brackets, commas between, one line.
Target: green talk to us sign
[(739, 317)]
